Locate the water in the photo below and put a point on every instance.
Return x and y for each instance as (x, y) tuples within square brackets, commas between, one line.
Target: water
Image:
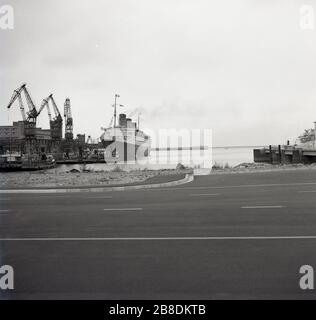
[(233, 155), (164, 159)]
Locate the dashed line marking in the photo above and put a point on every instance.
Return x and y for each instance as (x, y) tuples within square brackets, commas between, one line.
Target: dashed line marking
[(203, 194), (104, 197), (123, 209), (262, 207)]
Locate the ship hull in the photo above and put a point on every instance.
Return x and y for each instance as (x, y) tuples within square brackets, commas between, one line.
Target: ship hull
[(124, 151)]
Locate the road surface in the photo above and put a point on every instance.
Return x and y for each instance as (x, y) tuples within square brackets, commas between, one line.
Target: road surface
[(229, 236)]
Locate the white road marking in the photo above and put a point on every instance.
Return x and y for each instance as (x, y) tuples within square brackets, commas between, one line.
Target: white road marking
[(203, 194), (4, 210), (262, 207), (104, 197), (167, 238), (123, 209)]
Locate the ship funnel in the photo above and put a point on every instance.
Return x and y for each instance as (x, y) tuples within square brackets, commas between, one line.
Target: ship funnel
[(122, 120)]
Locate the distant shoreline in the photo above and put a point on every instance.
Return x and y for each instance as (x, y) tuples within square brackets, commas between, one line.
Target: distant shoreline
[(202, 148)]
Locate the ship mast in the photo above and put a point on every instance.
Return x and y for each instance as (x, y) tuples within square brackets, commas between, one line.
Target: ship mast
[(116, 96), (138, 120), (116, 105)]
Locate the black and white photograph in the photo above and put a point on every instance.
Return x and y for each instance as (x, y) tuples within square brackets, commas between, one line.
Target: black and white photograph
[(157, 151)]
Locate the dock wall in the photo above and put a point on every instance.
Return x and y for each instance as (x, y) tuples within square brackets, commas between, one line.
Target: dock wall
[(284, 155)]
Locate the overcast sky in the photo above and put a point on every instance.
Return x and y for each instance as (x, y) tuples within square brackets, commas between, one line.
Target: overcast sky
[(243, 68)]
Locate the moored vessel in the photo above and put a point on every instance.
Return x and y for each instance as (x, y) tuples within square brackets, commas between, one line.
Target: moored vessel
[(124, 141)]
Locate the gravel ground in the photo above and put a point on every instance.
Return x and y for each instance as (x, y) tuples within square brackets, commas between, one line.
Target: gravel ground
[(50, 178)]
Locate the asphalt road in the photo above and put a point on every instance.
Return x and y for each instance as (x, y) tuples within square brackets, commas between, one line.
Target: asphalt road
[(237, 236)]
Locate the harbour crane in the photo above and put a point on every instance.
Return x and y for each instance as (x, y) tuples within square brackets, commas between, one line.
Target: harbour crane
[(68, 120), (31, 115), (58, 116), (55, 108), (56, 122)]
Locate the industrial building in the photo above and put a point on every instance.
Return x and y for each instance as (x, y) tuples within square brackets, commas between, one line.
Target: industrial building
[(12, 138)]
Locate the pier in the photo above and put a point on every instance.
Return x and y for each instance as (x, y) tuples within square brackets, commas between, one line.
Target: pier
[(284, 155)]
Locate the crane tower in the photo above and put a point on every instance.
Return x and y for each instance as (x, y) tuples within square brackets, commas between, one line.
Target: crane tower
[(68, 120)]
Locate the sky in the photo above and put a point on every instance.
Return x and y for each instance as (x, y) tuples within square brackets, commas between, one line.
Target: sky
[(244, 68)]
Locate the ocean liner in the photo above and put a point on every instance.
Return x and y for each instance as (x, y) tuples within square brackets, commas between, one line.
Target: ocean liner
[(124, 142)]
